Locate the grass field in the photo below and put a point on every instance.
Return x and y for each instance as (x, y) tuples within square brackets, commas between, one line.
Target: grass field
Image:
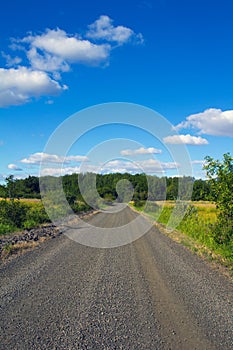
[(205, 210), (194, 230)]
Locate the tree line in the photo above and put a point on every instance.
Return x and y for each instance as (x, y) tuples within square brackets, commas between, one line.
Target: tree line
[(145, 187)]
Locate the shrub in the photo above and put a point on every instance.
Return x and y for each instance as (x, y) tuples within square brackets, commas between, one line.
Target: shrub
[(36, 213), (139, 203), (6, 228), (17, 215), (220, 175), (12, 213)]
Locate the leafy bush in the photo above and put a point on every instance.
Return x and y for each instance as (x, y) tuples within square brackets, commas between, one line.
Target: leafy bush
[(79, 207), (222, 232), (36, 213), (220, 174), (12, 213), (6, 228), (139, 203), (15, 214)]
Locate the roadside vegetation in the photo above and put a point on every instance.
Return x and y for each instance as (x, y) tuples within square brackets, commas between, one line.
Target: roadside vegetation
[(208, 218), (21, 206), (209, 225), (197, 229), (17, 215)]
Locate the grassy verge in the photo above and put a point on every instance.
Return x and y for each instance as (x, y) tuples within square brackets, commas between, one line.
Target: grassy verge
[(194, 230), (17, 215), (18, 248)]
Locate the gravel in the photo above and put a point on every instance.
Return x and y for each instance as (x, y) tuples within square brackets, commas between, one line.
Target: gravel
[(150, 294)]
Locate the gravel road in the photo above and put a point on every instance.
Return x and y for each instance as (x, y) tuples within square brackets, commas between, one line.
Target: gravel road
[(150, 294)]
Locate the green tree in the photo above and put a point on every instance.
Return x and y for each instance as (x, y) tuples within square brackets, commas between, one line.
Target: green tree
[(220, 174), (10, 182), (3, 191), (201, 190)]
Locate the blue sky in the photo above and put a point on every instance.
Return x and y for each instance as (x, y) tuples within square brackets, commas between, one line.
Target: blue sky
[(174, 57)]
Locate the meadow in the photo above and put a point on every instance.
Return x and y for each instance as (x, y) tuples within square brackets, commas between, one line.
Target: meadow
[(195, 230)]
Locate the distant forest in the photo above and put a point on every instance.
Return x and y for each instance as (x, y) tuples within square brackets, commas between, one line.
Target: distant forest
[(145, 187)]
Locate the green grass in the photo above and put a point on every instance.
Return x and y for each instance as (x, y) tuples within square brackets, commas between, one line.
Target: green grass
[(197, 225)]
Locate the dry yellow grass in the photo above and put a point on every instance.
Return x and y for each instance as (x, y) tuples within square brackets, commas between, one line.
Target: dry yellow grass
[(18, 248), (26, 200), (206, 210), (198, 204), (202, 204)]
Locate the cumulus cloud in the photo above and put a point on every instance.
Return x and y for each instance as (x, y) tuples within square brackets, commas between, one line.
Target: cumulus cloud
[(59, 171), (59, 49), (210, 122), (103, 29), (14, 167), (20, 85), (155, 166), (76, 159), (37, 158), (185, 139), (149, 166), (11, 61), (51, 53), (46, 62), (141, 150)]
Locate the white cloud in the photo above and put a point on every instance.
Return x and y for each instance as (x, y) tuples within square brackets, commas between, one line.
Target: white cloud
[(141, 150), (185, 139), (59, 49), (103, 29), (149, 166), (49, 102), (20, 85), (198, 162), (46, 61), (155, 166), (14, 167), (11, 61), (211, 122), (76, 159), (51, 53), (39, 157), (59, 171)]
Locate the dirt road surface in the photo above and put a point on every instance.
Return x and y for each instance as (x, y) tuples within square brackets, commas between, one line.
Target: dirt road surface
[(149, 294)]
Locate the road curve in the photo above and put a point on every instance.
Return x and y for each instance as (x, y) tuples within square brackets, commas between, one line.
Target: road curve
[(149, 294)]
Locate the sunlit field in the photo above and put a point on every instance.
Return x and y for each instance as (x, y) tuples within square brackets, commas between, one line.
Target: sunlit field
[(205, 210), (198, 224), (25, 200)]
